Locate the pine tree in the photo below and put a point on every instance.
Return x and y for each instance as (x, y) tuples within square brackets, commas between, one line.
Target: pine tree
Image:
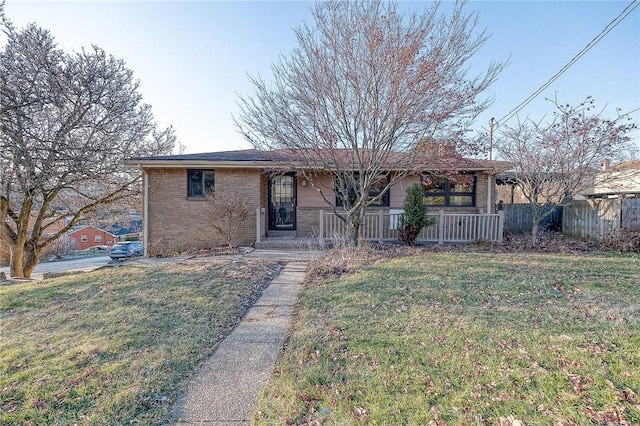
[(414, 217)]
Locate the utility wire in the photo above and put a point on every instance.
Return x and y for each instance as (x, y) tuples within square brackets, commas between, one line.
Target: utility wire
[(627, 10)]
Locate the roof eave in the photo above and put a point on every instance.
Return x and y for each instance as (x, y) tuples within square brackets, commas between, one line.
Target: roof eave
[(188, 164)]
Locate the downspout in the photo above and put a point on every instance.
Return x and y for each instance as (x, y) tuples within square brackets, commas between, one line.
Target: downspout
[(145, 208)]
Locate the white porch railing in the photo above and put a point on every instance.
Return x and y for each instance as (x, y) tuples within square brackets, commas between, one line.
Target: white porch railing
[(447, 228)]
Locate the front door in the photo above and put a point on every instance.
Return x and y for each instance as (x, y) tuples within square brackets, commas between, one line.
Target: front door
[(282, 202)]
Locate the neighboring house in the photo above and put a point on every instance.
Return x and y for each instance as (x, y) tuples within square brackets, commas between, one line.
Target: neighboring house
[(619, 181), (175, 211), (510, 189), (90, 236), (127, 229)]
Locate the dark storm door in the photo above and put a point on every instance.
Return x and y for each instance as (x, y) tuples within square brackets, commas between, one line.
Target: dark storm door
[(282, 202)]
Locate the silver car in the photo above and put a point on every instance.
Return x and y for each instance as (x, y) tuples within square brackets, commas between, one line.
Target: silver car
[(126, 250)]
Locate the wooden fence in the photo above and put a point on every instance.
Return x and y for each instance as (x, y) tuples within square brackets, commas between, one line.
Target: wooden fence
[(518, 218), (630, 213), (601, 218), (446, 228)]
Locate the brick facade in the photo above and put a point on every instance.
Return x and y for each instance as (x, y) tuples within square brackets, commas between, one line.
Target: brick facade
[(178, 222), (90, 236)]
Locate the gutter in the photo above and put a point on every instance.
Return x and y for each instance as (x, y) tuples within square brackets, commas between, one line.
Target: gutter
[(202, 164)]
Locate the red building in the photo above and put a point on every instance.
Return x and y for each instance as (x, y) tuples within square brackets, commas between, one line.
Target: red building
[(90, 236)]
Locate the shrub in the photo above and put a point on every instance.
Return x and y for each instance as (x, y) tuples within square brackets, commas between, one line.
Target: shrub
[(227, 213), (626, 240), (414, 217)]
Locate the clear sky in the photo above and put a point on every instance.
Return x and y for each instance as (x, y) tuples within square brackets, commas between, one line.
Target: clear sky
[(192, 58)]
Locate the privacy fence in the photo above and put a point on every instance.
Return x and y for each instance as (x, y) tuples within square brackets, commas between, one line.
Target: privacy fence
[(446, 228), (518, 218), (591, 219), (601, 218)]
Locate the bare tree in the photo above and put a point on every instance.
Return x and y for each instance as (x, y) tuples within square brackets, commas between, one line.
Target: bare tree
[(67, 123), (227, 213), (557, 161), (359, 93)]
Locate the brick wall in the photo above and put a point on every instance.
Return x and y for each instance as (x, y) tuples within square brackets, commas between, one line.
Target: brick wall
[(481, 193), (178, 222), (90, 233)]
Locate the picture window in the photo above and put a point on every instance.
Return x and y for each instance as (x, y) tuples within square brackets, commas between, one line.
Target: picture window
[(201, 182)]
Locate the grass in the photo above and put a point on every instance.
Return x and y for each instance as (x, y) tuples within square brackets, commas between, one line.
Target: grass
[(465, 339), (115, 346)]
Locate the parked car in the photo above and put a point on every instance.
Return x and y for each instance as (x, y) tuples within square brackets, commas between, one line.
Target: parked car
[(126, 249), (98, 248)]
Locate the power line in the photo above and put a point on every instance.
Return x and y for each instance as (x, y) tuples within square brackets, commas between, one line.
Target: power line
[(627, 10)]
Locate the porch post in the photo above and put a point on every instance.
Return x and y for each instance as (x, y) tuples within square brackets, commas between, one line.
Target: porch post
[(380, 225), (500, 225), (321, 233), (489, 190), (258, 225), (440, 226)]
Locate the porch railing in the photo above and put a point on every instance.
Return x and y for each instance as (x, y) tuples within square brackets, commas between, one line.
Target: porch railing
[(446, 228)]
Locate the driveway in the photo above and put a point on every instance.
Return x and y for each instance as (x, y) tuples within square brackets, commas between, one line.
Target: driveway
[(91, 263), (85, 264)]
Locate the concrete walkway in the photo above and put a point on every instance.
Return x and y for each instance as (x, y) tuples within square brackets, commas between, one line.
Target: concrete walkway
[(226, 389)]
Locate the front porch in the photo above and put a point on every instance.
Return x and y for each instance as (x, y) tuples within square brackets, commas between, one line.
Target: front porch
[(381, 226)]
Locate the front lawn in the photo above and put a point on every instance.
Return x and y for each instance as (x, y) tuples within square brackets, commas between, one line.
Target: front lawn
[(465, 339), (116, 346)]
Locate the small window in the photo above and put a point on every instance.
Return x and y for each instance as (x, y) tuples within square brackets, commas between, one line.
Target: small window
[(376, 188), (84, 238), (98, 238), (453, 191), (201, 182)]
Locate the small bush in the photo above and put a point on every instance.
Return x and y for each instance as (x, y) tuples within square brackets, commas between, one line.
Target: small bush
[(414, 217), (625, 240), (227, 213), (59, 249)]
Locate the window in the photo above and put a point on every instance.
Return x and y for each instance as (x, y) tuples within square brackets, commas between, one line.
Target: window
[(200, 182), (84, 238), (378, 186), (98, 238), (449, 191)]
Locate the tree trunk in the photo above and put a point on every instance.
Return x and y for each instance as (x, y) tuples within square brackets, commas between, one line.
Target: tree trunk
[(24, 258), (15, 260), (534, 233), (353, 235), (354, 221)]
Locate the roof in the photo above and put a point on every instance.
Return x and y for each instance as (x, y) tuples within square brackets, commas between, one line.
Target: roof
[(247, 158), (239, 155), (616, 194), (73, 231), (253, 158), (624, 166)]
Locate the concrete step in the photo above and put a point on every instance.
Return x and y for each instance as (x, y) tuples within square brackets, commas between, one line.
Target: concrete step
[(281, 234), (289, 243)]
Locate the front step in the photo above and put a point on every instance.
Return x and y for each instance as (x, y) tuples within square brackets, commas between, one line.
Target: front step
[(288, 243), (282, 234)]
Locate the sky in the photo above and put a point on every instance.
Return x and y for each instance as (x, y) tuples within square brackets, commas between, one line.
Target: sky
[(193, 58)]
